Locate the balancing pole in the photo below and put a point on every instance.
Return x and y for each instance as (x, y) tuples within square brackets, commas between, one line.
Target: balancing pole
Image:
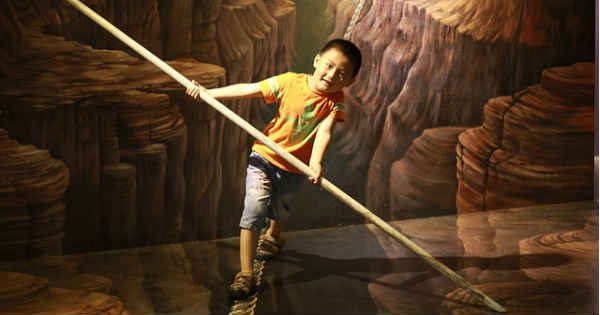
[(327, 185)]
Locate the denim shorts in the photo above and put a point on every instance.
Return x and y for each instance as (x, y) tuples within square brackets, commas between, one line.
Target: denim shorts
[(268, 193)]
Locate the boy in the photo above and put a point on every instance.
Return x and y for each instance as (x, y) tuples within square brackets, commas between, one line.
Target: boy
[(308, 107)]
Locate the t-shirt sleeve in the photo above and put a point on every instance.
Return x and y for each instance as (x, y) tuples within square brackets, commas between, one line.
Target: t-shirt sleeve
[(339, 109), (272, 88)]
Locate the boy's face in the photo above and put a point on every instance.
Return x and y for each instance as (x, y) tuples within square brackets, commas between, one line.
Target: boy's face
[(333, 71)]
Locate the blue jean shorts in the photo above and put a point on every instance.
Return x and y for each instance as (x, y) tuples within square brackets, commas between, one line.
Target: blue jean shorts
[(268, 193)]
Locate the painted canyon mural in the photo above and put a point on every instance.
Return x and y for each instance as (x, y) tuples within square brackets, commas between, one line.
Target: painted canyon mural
[(470, 123)]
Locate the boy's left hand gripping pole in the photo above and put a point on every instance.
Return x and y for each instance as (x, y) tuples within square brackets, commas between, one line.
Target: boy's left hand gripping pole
[(327, 185)]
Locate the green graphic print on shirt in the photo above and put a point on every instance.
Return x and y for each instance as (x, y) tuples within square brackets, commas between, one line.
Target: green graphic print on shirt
[(303, 125)]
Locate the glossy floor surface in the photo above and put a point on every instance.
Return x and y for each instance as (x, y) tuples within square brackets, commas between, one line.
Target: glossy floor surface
[(536, 260)]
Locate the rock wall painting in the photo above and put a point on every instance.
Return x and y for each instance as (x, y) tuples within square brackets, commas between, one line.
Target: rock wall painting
[(136, 147), (471, 125), (432, 72), (435, 63)]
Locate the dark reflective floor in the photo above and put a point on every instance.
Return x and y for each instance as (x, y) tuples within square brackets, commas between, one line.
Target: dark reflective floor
[(537, 260)]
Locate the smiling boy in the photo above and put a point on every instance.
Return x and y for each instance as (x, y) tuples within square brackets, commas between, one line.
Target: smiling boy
[(308, 106)]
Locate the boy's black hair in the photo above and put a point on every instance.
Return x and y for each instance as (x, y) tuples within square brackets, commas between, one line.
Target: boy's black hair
[(348, 49)]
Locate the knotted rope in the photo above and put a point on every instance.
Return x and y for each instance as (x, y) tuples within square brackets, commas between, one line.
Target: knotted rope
[(247, 306), (355, 17)]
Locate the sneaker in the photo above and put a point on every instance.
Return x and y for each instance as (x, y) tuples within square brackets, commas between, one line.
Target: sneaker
[(242, 286), (269, 247)]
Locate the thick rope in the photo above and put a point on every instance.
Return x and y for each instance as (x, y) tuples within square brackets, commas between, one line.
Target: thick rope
[(247, 306), (355, 17)]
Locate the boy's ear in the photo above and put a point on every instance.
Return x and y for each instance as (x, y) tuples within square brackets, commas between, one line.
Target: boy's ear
[(317, 57)]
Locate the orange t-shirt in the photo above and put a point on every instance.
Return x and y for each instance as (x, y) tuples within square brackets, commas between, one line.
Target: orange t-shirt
[(299, 113)]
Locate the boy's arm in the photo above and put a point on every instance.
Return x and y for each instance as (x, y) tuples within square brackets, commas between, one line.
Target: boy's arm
[(321, 142), (236, 91), (231, 92)]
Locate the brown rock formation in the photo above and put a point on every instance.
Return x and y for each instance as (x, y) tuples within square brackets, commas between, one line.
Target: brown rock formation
[(550, 216), (128, 281), (283, 11), (45, 272), (27, 294), (176, 27), (116, 112), (431, 63), (118, 198), (169, 298), (175, 186), (342, 10), (500, 234), (85, 282), (13, 31), (517, 297), (111, 104), (203, 170), (536, 147), (204, 31), (139, 19), (518, 158), (15, 285), (427, 169), (32, 200), (581, 245), (151, 166)]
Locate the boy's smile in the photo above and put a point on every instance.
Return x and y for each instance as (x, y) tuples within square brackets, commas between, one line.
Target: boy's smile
[(333, 71)]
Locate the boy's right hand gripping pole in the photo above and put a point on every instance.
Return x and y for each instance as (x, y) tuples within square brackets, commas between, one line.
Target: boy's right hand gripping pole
[(287, 156)]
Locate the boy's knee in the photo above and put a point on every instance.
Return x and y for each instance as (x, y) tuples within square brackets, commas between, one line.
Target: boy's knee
[(254, 223), (255, 212)]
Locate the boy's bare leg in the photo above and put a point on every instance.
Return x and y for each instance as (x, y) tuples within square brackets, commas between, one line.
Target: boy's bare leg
[(275, 229), (248, 242)]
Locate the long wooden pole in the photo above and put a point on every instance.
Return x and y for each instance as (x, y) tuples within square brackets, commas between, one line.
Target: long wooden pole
[(327, 185)]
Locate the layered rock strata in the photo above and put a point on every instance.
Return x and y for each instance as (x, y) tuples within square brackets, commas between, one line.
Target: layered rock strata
[(430, 63), (32, 205), (114, 110), (517, 298), (581, 245), (427, 169), (23, 293), (533, 147)]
